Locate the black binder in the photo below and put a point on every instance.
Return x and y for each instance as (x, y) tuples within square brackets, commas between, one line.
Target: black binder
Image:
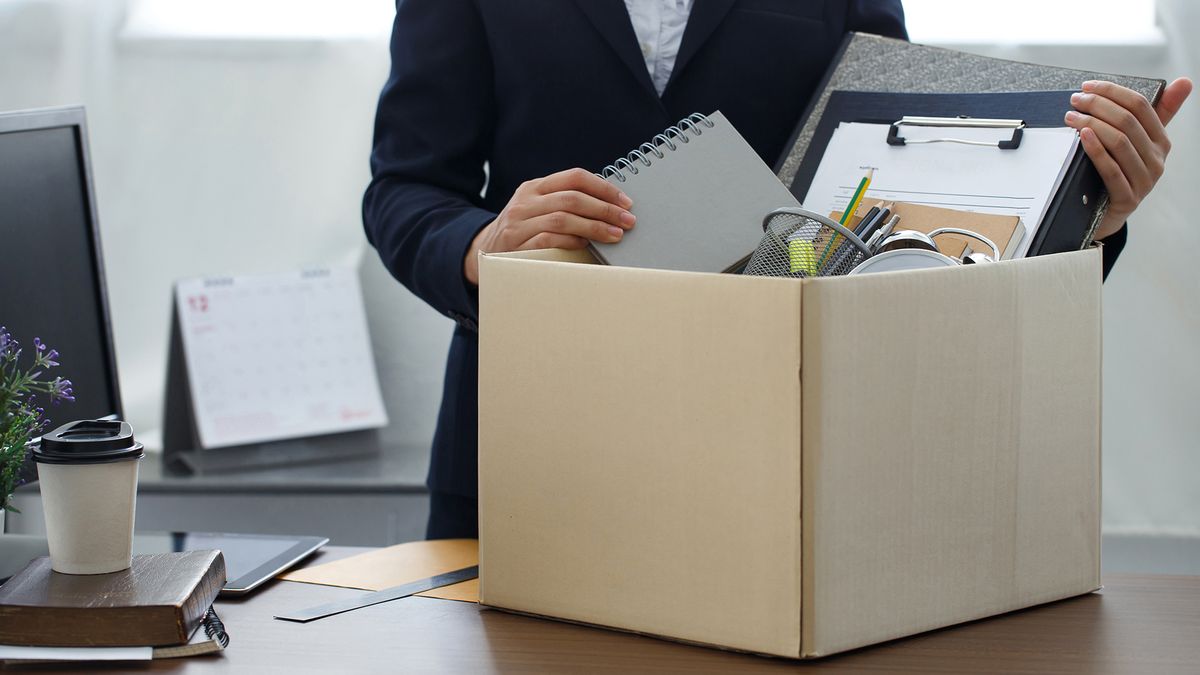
[(870, 63), (1071, 215)]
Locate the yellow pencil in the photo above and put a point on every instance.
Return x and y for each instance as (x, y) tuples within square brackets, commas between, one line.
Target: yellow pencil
[(850, 209), (858, 197)]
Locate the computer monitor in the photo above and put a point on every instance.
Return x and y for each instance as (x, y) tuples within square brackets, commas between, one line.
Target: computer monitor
[(51, 272)]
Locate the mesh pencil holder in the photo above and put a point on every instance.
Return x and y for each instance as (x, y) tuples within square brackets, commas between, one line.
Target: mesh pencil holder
[(801, 243)]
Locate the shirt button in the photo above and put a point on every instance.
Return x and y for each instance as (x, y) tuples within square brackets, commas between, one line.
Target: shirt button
[(646, 49)]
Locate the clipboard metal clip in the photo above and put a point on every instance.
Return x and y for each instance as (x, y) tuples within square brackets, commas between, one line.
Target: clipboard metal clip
[(962, 121)]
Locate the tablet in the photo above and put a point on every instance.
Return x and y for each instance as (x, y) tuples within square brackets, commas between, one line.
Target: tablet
[(250, 559)]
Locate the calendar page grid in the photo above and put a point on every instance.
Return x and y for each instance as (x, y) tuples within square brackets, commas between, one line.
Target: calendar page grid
[(279, 356)]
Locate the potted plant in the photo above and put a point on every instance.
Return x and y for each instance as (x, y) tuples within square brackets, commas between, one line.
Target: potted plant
[(21, 416)]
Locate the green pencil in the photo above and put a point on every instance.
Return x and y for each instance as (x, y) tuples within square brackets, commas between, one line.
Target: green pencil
[(850, 209)]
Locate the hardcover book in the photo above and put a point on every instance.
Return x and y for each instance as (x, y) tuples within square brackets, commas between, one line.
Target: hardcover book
[(160, 600)]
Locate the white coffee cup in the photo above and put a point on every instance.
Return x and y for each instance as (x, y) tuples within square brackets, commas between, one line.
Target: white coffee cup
[(88, 472)]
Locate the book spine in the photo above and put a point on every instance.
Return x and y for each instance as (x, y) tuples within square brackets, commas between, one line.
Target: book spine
[(190, 613), (102, 627)]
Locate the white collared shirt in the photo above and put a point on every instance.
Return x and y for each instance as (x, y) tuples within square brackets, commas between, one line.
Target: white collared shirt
[(659, 27)]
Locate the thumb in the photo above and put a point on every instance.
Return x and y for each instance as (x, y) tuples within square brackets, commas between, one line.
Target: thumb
[(1172, 99)]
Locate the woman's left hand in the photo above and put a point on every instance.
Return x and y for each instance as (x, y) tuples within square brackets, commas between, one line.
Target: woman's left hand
[(1126, 139)]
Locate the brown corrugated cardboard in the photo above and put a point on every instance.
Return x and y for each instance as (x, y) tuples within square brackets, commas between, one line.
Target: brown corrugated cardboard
[(787, 467), (954, 473)]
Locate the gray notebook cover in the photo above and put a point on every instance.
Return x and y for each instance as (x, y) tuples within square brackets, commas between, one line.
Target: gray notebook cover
[(700, 206), (873, 63)]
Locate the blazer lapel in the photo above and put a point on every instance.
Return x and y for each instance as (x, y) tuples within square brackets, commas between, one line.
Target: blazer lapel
[(705, 17), (612, 20)]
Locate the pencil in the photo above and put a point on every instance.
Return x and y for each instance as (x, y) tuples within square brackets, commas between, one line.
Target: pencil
[(850, 209), (866, 220), (858, 197)]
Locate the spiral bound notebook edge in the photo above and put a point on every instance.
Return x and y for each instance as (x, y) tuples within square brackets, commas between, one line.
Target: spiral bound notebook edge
[(654, 147), (696, 214)]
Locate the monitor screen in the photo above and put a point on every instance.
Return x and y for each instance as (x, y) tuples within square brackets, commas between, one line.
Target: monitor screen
[(51, 275)]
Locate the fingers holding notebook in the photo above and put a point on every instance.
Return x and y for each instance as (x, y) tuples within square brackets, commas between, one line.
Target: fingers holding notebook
[(1126, 139), (563, 210)]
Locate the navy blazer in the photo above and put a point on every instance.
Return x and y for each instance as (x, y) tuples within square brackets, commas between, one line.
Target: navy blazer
[(531, 87)]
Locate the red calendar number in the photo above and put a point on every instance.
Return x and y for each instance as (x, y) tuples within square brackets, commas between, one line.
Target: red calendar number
[(198, 303)]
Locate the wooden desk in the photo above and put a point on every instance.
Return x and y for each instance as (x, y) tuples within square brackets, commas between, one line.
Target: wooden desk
[(1138, 624)]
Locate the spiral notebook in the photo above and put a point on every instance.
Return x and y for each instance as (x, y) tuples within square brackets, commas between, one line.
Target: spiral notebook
[(700, 193)]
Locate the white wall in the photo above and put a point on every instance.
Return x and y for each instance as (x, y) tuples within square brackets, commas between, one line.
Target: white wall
[(213, 160), (221, 159), (1152, 304)]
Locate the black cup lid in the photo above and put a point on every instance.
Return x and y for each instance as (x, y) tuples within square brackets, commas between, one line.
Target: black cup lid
[(88, 442)]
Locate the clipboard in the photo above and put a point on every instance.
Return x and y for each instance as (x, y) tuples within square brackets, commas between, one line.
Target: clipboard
[(1073, 212), (871, 63), (960, 122)]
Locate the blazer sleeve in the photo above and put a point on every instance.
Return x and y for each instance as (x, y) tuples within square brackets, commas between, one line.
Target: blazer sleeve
[(432, 130), (1113, 245), (880, 17)]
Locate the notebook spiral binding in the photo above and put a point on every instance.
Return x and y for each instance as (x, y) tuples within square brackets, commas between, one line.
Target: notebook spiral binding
[(214, 628), (693, 123)]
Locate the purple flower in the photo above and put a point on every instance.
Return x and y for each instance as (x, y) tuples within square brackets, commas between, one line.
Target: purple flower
[(24, 418), (43, 358), (61, 390)]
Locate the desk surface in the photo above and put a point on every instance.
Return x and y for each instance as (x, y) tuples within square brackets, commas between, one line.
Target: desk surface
[(1137, 624), (396, 470)]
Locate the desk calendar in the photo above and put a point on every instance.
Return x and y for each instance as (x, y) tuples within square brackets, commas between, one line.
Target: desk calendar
[(277, 356)]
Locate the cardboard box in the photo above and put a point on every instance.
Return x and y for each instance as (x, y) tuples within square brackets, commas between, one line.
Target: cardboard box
[(788, 467)]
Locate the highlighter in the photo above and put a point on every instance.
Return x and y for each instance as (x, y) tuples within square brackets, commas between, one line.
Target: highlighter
[(802, 256)]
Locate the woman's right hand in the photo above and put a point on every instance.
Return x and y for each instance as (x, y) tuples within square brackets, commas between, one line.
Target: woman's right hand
[(563, 210)]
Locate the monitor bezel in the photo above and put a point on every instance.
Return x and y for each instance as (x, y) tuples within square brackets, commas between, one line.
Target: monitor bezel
[(75, 118)]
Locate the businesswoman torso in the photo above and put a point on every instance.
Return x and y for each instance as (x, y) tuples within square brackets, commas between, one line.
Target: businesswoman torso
[(532, 87)]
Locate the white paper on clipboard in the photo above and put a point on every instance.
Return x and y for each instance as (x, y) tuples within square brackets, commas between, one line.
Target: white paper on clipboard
[(278, 356), (1020, 182)]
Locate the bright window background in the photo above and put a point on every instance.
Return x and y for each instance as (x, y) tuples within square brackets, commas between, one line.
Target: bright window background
[(259, 20), (1056, 22)]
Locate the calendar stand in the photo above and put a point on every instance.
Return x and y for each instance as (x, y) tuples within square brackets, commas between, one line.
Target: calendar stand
[(182, 453), (183, 447)]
